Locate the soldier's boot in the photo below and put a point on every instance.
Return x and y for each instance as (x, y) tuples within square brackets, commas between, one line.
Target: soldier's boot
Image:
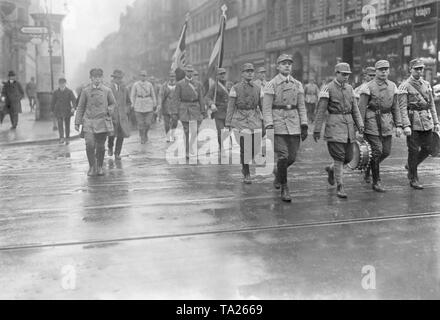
[(414, 182), (67, 141), (276, 182), (341, 191), (375, 168), (285, 193), (92, 161), (331, 175), (100, 171), (61, 141), (142, 136), (367, 176), (378, 187), (246, 174)]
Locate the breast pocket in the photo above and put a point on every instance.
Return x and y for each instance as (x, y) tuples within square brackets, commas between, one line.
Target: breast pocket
[(290, 94)]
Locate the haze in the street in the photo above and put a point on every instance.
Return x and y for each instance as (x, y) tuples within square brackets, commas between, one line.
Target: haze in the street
[(87, 23)]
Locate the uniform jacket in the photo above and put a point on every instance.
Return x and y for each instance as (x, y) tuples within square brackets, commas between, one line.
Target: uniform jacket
[(382, 94), (282, 91), (336, 99), (244, 107), (143, 96), (122, 110), (13, 93), (189, 97), (167, 99), (417, 93), (63, 102), (311, 92), (358, 89), (95, 105), (221, 101)]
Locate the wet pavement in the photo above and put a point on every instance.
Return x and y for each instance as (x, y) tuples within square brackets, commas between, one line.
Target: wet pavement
[(156, 230)]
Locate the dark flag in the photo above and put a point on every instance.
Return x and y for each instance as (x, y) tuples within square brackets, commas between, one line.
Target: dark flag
[(216, 60)]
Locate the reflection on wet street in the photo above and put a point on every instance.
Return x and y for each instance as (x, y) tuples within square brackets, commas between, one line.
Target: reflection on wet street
[(150, 229)]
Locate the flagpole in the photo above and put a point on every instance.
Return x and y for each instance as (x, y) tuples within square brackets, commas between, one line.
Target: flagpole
[(223, 8)]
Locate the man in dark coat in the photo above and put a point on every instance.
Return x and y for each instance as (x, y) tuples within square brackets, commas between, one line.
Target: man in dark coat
[(120, 115), (63, 105), (12, 93)]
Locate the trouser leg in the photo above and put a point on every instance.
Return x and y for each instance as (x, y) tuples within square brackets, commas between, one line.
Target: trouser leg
[(60, 127), (111, 142), (167, 123), (67, 126), (342, 153), (220, 125), (185, 126), (119, 142), (425, 146), (376, 150), (90, 148), (100, 148), (282, 151), (413, 144)]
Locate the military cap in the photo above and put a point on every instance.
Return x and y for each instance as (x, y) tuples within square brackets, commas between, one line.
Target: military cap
[(416, 63), (247, 66), (221, 71), (96, 72), (261, 69), (382, 64), (11, 74), (284, 57), (117, 74), (62, 80), (343, 67), (189, 68), (143, 73), (370, 71)]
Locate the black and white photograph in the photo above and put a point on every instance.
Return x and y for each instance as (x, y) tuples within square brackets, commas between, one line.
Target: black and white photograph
[(219, 150)]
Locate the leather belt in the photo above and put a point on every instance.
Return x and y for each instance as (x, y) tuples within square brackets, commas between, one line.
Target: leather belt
[(284, 107), (339, 112), (375, 109)]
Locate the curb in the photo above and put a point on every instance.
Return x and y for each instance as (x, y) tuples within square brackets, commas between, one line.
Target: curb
[(35, 142)]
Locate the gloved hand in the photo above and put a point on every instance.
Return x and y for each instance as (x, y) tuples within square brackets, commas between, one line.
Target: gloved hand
[(399, 132), (214, 108), (316, 136), (437, 128), (407, 131), (304, 132)]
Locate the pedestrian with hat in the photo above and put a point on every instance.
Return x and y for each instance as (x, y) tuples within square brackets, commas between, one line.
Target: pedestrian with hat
[(311, 92), (95, 109), (121, 114), (419, 119), (244, 117), (380, 111), (143, 98), (168, 106), (338, 99), (11, 95), (217, 101), (284, 111), (368, 74), (63, 106), (190, 101)]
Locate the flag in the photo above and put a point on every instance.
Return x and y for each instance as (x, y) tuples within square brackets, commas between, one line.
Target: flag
[(216, 60), (179, 57)]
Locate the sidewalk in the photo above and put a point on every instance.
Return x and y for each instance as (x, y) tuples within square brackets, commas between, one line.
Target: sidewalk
[(30, 131)]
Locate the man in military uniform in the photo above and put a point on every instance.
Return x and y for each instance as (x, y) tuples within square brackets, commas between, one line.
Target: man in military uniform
[(220, 94), (168, 106), (419, 118), (311, 92), (284, 111), (189, 97), (95, 109), (338, 99), (380, 111), (369, 74), (244, 116)]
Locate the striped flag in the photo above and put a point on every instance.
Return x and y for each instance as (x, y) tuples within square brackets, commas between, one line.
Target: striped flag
[(216, 60), (179, 57)]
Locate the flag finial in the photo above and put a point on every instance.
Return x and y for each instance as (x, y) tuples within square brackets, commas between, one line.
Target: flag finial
[(224, 8)]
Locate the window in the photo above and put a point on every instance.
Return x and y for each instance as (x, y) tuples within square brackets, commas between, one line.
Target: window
[(332, 8), (314, 10), (244, 40), (284, 20), (298, 12), (350, 9)]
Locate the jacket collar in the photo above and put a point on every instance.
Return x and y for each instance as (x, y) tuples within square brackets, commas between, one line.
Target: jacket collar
[(280, 78)]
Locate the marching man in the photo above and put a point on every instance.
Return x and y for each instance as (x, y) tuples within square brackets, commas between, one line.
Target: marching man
[(284, 110), (419, 118), (380, 111), (338, 99)]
